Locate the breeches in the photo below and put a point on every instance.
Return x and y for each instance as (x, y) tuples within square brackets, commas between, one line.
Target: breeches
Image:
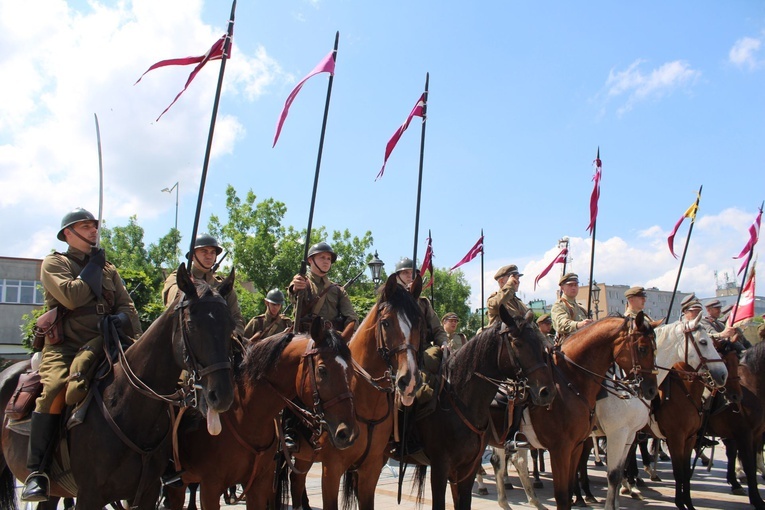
[(54, 371)]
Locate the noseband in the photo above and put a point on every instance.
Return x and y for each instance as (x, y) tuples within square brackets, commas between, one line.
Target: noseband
[(703, 360), (634, 335)]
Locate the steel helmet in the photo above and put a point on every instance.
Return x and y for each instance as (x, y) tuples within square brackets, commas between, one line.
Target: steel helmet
[(275, 296), (204, 240), (404, 263), (322, 247), (73, 217)]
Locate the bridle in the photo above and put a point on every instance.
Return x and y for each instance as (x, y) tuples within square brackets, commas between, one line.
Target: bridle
[(635, 375), (705, 376)]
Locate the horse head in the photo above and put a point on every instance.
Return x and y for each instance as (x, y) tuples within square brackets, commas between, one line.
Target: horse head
[(636, 355), (524, 343), (733, 391), (325, 380), (202, 343), (399, 331), (699, 351)]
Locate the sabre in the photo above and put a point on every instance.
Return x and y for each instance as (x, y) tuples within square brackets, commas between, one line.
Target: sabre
[(100, 183)]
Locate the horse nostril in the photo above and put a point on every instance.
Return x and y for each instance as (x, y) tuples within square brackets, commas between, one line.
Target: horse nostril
[(212, 398)]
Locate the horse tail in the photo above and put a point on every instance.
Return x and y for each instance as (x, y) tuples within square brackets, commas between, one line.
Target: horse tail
[(350, 489), (420, 473), (281, 482), (7, 490)]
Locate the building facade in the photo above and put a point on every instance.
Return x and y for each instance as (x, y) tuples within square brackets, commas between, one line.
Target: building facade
[(20, 294), (611, 300)]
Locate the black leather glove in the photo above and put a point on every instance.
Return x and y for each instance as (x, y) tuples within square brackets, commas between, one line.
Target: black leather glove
[(93, 272), (119, 320)]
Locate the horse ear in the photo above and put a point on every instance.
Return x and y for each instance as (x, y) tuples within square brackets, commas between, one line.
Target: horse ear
[(640, 320), (416, 287), (227, 285), (656, 324), (529, 317), (318, 333), (348, 332), (184, 282), (390, 288)]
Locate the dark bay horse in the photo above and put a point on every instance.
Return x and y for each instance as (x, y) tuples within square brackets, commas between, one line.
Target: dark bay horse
[(579, 368), (385, 351), (742, 427), (454, 436), (317, 368), (122, 447)]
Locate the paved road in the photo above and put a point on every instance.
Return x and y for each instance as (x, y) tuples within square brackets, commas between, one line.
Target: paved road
[(710, 491)]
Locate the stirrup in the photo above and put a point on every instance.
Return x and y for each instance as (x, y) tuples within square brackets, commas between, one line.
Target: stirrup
[(173, 480), (515, 444), (38, 492)]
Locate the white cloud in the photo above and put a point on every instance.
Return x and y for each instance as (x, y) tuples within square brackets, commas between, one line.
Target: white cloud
[(68, 65), (744, 53), (638, 86)]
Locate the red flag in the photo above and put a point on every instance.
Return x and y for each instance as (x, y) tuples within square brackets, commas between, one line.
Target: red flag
[(689, 213), (754, 236), (559, 259), (427, 263), (418, 111), (473, 253), (595, 192), (327, 65), (745, 308), (214, 53)]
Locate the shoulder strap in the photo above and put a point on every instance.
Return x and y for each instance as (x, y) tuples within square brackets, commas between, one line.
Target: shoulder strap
[(321, 298)]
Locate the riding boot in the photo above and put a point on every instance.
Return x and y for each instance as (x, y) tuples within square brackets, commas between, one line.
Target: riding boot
[(41, 440), (515, 443), (291, 423)]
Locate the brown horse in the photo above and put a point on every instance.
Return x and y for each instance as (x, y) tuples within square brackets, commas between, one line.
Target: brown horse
[(317, 368), (385, 358), (579, 368), (678, 414), (509, 352), (742, 426), (122, 446)]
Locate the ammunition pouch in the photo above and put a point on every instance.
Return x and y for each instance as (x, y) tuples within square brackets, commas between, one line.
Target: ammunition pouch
[(22, 402), (49, 328)]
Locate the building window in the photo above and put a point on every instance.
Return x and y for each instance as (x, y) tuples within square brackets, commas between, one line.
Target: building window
[(25, 292)]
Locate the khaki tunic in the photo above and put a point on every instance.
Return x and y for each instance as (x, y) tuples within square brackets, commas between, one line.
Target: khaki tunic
[(713, 327), (455, 341), (170, 292), (62, 287), (334, 303), (565, 314), (631, 313), (507, 298), (266, 325), (436, 334)]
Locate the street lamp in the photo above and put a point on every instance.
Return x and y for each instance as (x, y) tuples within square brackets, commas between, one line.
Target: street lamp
[(595, 293), (375, 266), (175, 233)]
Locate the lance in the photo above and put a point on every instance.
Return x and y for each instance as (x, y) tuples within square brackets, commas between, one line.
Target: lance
[(100, 183), (432, 271), (682, 259), (419, 180), (208, 149), (743, 280), (483, 303), (306, 244), (592, 250)]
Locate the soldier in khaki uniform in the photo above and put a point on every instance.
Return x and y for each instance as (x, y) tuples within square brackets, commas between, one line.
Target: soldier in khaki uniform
[(567, 315), (436, 334), (322, 297), (545, 326), (635, 302), (690, 307), (454, 340), (85, 288), (271, 322), (718, 330), (509, 279), (206, 251)]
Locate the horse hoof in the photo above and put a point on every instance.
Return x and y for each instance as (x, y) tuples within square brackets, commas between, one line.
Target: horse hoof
[(655, 478), (636, 495), (591, 500), (580, 503), (509, 486), (539, 485), (599, 463), (640, 483), (739, 491), (483, 491), (625, 491)]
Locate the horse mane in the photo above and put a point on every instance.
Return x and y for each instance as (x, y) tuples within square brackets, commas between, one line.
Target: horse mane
[(754, 358), (402, 300), (482, 346)]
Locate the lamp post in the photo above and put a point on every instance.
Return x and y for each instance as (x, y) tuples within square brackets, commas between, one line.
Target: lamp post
[(596, 298), (375, 267), (170, 190)]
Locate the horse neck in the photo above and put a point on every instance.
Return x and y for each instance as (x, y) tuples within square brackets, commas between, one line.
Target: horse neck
[(363, 348), (593, 351), (474, 391), (151, 357), (670, 348)]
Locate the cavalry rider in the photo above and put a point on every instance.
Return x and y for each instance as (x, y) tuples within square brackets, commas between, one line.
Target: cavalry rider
[(85, 288), (635, 297), (271, 322), (322, 297), (545, 326), (509, 279), (690, 307), (436, 336), (717, 329), (455, 340), (567, 315), (206, 251)]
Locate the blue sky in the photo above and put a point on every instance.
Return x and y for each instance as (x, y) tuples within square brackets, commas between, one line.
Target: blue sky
[(521, 96)]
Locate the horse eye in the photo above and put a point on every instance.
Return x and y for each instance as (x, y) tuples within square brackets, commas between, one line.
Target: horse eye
[(703, 342), (385, 323), (642, 350), (322, 370)]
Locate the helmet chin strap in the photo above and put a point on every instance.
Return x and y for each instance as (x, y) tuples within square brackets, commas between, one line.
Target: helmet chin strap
[(197, 261), (73, 231)]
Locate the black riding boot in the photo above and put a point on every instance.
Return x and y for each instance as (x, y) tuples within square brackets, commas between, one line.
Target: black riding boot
[(41, 437), (291, 423)]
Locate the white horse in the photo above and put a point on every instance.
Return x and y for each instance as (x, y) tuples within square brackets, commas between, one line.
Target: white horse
[(620, 418)]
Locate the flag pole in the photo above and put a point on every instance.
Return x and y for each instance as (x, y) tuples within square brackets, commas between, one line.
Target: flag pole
[(682, 259), (483, 305), (592, 250), (743, 280), (432, 272), (208, 149), (419, 181), (100, 183)]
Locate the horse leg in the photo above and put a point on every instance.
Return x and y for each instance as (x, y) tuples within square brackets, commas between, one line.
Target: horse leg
[(175, 497), (746, 454), (438, 480), (618, 450), (482, 489), (464, 491), (297, 488), (731, 452), (680, 450), (330, 486), (584, 478), (367, 477), (193, 488), (520, 462), (535, 459), (498, 463), (209, 495)]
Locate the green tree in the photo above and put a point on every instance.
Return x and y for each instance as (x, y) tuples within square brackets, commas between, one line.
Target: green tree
[(451, 292)]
